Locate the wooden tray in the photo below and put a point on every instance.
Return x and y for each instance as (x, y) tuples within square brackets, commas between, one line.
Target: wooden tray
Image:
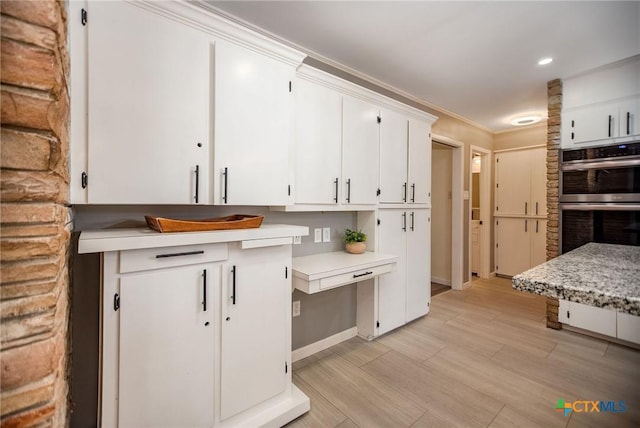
[(236, 221)]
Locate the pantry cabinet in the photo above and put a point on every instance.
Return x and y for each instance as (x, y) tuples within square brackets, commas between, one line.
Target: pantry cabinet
[(147, 114), (520, 244)]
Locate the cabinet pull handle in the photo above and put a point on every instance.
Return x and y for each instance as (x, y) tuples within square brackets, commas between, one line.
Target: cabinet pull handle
[(233, 285), (413, 192), (526, 208), (536, 226), (628, 123), (349, 191), (197, 183), (336, 184), (404, 222), (225, 174), (536, 208), (404, 192), (204, 290), (361, 274), (526, 228), (187, 253), (610, 118), (412, 219)]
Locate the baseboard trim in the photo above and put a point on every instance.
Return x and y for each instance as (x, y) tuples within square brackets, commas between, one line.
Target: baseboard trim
[(441, 281), (323, 344), (466, 285)]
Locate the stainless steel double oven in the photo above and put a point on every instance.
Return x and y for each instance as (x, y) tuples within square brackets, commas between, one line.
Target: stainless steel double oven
[(600, 196)]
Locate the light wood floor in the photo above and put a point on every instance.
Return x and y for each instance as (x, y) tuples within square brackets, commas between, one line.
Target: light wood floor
[(483, 357)]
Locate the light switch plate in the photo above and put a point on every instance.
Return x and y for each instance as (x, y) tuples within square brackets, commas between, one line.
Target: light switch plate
[(317, 235), (326, 234)]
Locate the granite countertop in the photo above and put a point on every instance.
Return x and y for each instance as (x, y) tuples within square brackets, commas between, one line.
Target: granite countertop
[(601, 275)]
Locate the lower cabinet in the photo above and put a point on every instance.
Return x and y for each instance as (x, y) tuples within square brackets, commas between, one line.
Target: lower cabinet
[(600, 320), (403, 294), (520, 244), (198, 336)]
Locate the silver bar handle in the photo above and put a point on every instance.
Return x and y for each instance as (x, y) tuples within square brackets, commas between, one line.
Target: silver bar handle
[(526, 206), (536, 208), (526, 227)]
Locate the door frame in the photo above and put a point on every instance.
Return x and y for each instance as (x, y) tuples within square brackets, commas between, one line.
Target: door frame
[(485, 209), (457, 208)]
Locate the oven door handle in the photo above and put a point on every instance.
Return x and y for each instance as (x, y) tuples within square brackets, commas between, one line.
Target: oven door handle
[(600, 207), (601, 165)]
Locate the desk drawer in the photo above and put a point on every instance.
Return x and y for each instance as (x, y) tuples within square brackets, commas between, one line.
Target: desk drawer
[(355, 276), (157, 258)]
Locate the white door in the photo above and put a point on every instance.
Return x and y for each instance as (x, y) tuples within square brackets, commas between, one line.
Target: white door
[(253, 127), (360, 152), (392, 288), (393, 157), (538, 241), (167, 347), (538, 201), (255, 306), (148, 108), (513, 245), (513, 183), (419, 162), (418, 263), (318, 144)]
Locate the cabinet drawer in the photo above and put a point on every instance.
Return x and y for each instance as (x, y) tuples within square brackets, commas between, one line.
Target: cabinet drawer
[(628, 327), (347, 278), (157, 258)]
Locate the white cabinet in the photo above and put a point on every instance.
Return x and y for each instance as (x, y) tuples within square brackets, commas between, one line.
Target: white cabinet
[(520, 244), (253, 127), (148, 109), (255, 317), (405, 293), (628, 327), (600, 320), (167, 322), (318, 144), (360, 152), (405, 159), (521, 183)]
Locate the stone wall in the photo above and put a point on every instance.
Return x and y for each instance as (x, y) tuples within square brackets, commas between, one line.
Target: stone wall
[(554, 97), (34, 217)]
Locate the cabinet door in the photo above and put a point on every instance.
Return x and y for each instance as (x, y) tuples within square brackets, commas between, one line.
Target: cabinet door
[(148, 108), (591, 318), (318, 144), (513, 245), (253, 127), (591, 123), (418, 263), (392, 288), (393, 157), (166, 361), (629, 122), (538, 241), (360, 152), (513, 183), (255, 306), (538, 202), (419, 162)]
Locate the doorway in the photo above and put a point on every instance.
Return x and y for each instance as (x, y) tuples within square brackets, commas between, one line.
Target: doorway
[(479, 212)]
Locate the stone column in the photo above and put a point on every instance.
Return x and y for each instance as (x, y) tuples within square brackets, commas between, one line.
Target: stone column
[(34, 218)]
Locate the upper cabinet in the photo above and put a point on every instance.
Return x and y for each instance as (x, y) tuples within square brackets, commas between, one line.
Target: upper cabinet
[(195, 111), (521, 183), (602, 107), (147, 115)]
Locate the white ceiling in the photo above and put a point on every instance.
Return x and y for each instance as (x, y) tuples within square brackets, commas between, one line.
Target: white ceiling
[(475, 59)]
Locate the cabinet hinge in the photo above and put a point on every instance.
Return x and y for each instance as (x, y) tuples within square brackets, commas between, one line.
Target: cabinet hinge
[(378, 192), (83, 16), (84, 180), (116, 302), (286, 272), (497, 185), (289, 190), (497, 267), (379, 119), (378, 222), (378, 324), (568, 314), (496, 220), (289, 85), (286, 367), (496, 208), (497, 160)]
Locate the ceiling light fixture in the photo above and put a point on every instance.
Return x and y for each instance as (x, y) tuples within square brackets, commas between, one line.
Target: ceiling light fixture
[(526, 120), (545, 61)]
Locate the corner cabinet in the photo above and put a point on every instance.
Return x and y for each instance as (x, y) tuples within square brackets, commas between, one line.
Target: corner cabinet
[(196, 328)]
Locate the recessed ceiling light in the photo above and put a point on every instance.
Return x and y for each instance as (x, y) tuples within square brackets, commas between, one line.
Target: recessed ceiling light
[(526, 120), (545, 61)]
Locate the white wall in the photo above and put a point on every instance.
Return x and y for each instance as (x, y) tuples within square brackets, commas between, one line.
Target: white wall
[(442, 159)]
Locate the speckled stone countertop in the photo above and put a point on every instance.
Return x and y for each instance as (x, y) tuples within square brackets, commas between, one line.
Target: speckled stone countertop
[(601, 275)]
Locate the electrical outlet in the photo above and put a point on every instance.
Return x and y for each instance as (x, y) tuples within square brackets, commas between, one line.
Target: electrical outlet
[(296, 308), (326, 234), (317, 235), (297, 240)]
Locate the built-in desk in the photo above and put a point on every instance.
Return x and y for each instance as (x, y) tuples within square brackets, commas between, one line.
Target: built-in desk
[(320, 272)]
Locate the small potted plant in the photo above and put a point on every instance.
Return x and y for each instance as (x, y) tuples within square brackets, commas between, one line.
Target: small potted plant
[(355, 241)]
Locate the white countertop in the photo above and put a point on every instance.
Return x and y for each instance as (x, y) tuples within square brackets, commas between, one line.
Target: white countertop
[(104, 240)]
